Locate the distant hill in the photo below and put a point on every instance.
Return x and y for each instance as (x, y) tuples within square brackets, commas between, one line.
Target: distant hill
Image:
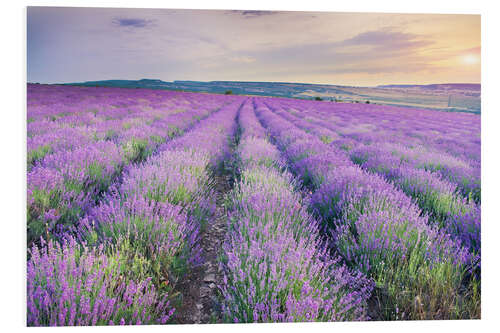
[(438, 86), (281, 89), (464, 97)]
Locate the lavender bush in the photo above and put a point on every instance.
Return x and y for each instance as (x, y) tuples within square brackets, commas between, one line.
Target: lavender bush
[(350, 216), (75, 155), (276, 268), (72, 285)]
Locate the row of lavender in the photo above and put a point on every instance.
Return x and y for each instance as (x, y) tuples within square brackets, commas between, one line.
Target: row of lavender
[(88, 115), (445, 143), (419, 271), (276, 268), (72, 161), (455, 133), (444, 186), (136, 243)]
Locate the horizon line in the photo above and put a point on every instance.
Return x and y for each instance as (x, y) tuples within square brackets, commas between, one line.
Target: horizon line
[(279, 82)]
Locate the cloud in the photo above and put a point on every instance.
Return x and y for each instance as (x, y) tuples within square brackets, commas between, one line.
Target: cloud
[(248, 14), (474, 50), (132, 22), (382, 51), (387, 40), (372, 45)]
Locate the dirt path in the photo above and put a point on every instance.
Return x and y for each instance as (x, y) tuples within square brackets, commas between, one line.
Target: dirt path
[(200, 300)]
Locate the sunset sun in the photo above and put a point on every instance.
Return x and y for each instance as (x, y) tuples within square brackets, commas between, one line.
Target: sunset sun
[(470, 59)]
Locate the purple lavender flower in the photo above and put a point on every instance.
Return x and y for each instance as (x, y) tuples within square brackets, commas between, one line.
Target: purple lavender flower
[(71, 284)]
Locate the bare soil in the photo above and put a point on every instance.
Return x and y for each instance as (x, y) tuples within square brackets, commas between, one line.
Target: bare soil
[(200, 303)]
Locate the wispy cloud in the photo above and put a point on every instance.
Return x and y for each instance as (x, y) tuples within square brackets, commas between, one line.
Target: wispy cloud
[(382, 51), (254, 13), (133, 22), (474, 50), (387, 39)]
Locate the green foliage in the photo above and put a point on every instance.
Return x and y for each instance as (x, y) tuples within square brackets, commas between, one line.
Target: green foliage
[(416, 290), (174, 131), (136, 150), (138, 259), (110, 135), (326, 139), (157, 139), (38, 154), (43, 201), (439, 205)]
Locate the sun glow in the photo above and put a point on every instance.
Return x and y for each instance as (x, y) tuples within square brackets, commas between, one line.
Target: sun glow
[(470, 59)]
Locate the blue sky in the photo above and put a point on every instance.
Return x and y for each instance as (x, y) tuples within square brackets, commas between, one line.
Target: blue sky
[(84, 44)]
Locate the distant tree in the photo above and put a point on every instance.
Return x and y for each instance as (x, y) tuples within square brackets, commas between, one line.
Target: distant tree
[(228, 92), (317, 98), (367, 102)]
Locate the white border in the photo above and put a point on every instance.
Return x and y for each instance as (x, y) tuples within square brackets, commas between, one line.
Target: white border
[(13, 145)]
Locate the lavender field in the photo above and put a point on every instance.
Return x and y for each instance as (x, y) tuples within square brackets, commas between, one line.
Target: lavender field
[(164, 207)]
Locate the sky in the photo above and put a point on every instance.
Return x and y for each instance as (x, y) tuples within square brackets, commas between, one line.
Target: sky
[(360, 49)]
